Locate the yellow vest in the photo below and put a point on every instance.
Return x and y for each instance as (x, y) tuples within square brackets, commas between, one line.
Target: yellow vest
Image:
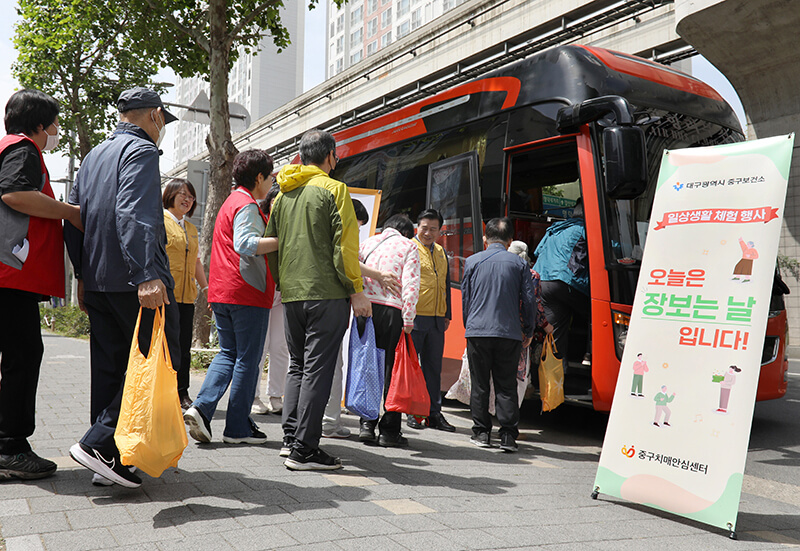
[(433, 281), (182, 252)]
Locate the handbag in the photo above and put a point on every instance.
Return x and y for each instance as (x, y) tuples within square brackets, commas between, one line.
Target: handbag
[(551, 376), (150, 433), (408, 392), (365, 373)]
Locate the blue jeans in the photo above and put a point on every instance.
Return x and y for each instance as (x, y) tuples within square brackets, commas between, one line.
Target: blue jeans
[(242, 330)]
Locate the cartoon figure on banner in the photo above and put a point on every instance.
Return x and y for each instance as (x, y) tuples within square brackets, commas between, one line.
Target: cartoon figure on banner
[(639, 369), (662, 409), (744, 268), (726, 382)]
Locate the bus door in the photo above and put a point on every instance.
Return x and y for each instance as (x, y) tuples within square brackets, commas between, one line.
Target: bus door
[(542, 185), (454, 191)]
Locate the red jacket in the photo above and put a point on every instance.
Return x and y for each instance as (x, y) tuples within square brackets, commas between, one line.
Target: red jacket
[(229, 273), (43, 270)]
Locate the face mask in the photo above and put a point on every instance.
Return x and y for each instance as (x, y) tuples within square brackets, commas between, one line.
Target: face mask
[(52, 141), (161, 131)]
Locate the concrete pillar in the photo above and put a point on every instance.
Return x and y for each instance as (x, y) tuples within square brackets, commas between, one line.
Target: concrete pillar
[(756, 45)]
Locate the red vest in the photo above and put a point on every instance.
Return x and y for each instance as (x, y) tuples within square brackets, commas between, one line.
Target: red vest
[(43, 271), (225, 281)]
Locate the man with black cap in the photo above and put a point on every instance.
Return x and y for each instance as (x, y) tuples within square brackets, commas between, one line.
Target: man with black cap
[(121, 264)]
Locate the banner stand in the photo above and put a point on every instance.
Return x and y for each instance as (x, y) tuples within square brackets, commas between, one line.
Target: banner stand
[(682, 412)]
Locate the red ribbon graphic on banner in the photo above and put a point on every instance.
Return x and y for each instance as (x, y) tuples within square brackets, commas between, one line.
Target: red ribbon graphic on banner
[(717, 216)]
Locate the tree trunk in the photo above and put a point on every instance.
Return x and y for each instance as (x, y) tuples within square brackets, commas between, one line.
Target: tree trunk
[(220, 147)]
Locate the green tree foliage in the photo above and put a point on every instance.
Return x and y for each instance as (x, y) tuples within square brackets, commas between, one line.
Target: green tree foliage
[(82, 53)]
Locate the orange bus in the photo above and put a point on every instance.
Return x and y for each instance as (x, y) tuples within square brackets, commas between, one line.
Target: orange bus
[(526, 141)]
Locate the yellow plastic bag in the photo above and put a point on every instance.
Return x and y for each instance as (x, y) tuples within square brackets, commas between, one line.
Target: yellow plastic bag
[(551, 376), (150, 433)]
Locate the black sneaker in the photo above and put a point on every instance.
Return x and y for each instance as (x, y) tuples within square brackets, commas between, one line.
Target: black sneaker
[(110, 468), (392, 441), (26, 466), (508, 443), (481, 440), (255, 436), (415, 422), (315, 460), (287, 446), (199, 426), (438, 422), (366, 431)]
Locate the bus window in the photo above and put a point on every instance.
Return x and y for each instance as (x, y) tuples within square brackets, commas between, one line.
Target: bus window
[(453, 191), (543, 185)]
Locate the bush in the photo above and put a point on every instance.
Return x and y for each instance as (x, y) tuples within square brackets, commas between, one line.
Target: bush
[(67, 320)]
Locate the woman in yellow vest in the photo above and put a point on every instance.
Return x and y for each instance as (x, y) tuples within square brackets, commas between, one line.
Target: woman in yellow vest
[(184, 263)]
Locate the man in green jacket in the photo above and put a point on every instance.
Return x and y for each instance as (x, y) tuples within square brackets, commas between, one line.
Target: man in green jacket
[(316, 267), (662, 399)]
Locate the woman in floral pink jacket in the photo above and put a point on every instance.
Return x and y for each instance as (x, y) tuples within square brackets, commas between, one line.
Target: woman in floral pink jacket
[(391, 251)]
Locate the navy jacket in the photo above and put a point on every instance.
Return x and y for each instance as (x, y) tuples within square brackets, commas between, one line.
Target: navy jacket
[(118, 189), (497, 295)]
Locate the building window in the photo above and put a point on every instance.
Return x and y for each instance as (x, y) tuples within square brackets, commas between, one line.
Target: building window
[(331, 73), (402, 7), (357, 38), (372, 6), (402, 29), (416, 18), (356, 16), (339, 65), (386, 18), (372, 47), (339, 44), (340, 23), (333, 29), (372, 27), (386, 39)]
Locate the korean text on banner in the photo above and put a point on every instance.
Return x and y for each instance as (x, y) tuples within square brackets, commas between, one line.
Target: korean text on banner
[(681, 416)]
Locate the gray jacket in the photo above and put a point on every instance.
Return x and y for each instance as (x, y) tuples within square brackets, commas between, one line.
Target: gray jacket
[(118, 189)]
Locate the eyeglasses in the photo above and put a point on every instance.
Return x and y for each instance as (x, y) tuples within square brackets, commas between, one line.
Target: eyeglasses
[(186, 195)]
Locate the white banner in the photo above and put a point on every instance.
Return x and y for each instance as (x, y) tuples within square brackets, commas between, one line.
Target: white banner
[(680, 420)]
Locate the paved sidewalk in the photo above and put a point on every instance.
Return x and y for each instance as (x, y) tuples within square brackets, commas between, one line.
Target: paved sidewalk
[(442, 493)]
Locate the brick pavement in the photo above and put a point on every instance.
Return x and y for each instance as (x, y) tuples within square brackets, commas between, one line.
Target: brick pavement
[(440, 494)]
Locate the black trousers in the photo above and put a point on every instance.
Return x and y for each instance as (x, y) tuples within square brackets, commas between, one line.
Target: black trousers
[(388, 323), (428, 336), (183, 364), (497, 358), (562, 304), (112, 318), (314, 332), (22, 349)]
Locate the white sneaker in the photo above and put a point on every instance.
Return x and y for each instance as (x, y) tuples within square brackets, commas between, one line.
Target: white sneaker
[(99, 480), (275, 404), (259, 408), (339, 432)]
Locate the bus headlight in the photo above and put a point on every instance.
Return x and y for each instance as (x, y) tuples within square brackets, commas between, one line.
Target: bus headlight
[(621, 323)]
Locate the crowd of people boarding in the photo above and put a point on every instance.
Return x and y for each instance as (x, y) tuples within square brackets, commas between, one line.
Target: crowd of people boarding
[(287, 277)]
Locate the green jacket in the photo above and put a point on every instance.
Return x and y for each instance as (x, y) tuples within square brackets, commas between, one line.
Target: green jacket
[(314, 220), (662, 399)]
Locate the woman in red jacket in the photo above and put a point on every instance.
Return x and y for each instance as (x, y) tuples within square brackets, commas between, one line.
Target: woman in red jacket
[(240, 291), (31, 269)]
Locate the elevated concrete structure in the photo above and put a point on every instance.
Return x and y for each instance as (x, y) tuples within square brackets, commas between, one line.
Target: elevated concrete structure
[(756, 45), (452, 46)]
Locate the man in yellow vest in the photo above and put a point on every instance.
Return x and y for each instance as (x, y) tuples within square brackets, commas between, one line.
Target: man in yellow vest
[(433, 315)]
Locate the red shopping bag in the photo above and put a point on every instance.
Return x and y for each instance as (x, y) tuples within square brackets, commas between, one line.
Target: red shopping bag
[(408, 392)]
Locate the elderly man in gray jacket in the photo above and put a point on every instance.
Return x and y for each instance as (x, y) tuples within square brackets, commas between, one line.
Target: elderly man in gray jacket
[(499, 308), (121, 263)]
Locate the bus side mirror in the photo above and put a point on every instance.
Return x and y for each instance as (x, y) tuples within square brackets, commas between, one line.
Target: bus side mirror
[(626, 162)]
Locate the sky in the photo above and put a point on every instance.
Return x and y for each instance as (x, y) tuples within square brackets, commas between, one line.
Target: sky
[(314, 73)]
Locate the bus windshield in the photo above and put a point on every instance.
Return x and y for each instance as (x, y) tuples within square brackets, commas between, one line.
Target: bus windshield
[(627, 220)]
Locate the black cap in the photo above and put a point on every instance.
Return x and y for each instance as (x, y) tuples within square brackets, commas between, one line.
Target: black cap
[(139, 98)]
